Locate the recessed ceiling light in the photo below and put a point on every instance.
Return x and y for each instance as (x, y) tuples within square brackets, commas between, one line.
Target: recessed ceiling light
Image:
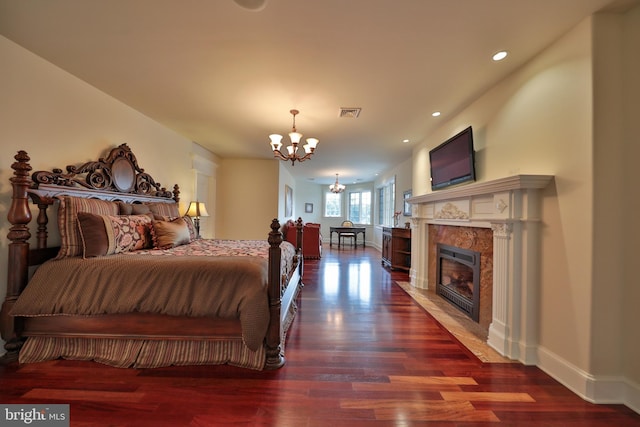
[(405, 140), (253, 5), (435, 113), (499, 56)]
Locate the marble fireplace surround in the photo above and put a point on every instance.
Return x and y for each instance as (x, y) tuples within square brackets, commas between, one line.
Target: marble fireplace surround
[(510, 207)]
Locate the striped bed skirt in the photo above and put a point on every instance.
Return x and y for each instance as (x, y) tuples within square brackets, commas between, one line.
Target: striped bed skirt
[(129, 353), (139, 353)]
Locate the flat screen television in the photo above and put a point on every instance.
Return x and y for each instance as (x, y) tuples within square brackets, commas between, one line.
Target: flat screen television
[(453, 161)]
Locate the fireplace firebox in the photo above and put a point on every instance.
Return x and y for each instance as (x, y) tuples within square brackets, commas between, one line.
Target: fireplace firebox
[(458, 278)]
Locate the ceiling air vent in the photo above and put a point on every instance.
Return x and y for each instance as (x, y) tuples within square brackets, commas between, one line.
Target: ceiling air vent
[(350, 113)]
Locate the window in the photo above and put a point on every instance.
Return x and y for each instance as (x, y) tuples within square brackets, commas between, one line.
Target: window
[(332, 204), (386, 203), (360, 207)]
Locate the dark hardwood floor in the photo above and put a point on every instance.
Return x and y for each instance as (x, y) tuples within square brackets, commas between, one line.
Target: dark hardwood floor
[(360, 353)]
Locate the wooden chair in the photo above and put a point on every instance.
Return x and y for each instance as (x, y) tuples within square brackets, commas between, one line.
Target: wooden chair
[(351, 236)]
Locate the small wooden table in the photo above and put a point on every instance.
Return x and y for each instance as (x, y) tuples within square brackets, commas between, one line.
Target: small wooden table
[(350, 230)]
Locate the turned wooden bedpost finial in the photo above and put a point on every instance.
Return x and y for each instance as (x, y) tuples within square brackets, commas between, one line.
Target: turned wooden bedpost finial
[(19, 217), (275, 233), (19, 214), (176, 193)]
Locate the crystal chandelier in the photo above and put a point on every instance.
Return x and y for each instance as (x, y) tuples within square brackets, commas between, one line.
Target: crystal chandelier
[(336, 187), (292, 150)]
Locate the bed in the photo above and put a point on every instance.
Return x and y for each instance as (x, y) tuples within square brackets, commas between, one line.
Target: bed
[(132, 284)]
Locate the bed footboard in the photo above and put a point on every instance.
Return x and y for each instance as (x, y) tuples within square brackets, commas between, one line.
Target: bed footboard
[(281, 296)]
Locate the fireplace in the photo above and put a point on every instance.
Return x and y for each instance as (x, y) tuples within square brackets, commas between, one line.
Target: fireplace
[(458, 278), (510, 209)]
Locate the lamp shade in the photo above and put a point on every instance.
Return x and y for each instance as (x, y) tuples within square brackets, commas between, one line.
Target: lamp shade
[(197, 210), (295, 137), (276, 141)]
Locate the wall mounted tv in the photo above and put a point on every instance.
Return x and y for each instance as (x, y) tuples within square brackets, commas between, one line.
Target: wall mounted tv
[(453, 161)]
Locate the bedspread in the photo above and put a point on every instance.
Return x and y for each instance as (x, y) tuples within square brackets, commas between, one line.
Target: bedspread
[(184, 281), (219, 247)]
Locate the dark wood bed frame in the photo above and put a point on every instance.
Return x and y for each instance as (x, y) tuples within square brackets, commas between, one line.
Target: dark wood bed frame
[(118, 177)]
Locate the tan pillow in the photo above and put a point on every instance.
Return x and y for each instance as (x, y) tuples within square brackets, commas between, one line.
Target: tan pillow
[(125, 208), (139, 209), (164, 209), (169, 234)]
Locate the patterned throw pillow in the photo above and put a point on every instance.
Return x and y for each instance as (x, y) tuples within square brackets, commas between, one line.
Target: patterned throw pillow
[(70, 239), (113, 234), (128, 233)]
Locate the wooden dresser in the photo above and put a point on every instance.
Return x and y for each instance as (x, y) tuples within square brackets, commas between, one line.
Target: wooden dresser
[(396, 248)]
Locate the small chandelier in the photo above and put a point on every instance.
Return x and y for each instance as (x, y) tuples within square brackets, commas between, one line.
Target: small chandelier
[(336, 187), (292, 149)]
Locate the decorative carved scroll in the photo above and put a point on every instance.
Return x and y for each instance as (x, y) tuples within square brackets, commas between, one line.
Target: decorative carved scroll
[(451, 211), (118, 172)]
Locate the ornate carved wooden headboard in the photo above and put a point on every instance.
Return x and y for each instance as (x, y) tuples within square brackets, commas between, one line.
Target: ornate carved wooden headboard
[(116, 177), (118, 172)]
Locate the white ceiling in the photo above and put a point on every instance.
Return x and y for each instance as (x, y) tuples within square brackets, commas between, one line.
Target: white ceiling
[(226, 77)]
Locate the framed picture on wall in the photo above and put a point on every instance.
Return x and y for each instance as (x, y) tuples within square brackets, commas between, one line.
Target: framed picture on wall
[(407, 205), (308, 208), (288, 201)]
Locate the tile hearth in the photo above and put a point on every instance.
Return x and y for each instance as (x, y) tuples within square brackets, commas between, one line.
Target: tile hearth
[(468, 332)]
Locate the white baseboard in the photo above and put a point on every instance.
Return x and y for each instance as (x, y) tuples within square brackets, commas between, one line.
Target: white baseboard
[(599, 389)]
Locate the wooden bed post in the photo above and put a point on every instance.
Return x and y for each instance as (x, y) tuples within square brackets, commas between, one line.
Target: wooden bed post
[(275, 358), (299, 225), (19, 216), (299, 228)]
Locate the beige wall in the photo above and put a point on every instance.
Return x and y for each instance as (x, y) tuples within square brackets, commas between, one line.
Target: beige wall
[(538, 121), (286, 179), (60, 120), (205, 166), (309, 192), (630, 207), (608, 190), (405, 179), (403, 183), (564, 114), (247, 198)]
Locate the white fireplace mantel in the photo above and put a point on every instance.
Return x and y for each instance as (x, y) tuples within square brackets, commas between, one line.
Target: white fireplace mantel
[(511, 208)]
